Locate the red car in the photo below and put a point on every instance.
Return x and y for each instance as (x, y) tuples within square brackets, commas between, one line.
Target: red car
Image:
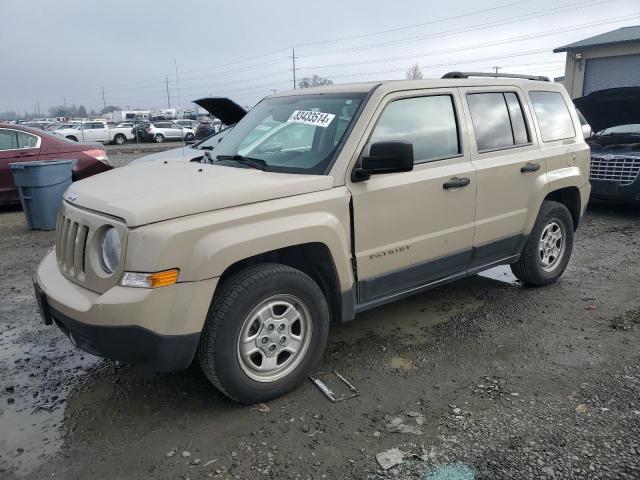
[(19, 143)]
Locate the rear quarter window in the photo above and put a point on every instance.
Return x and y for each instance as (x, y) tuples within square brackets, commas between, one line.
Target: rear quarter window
[(553, 116)]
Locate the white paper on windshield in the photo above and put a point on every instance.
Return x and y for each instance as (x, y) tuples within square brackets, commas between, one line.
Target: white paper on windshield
[(319, 119)]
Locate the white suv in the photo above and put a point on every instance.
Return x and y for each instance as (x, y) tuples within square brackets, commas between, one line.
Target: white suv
[(167, 130)]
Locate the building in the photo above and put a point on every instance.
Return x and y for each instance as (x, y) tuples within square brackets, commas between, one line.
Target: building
[(608, 60)]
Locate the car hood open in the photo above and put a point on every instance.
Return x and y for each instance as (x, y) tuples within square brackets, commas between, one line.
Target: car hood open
[(610, 107), (228, 111), (157, 191)]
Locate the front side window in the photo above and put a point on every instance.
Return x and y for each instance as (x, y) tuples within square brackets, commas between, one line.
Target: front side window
[(553, 116), (428, 123), (8, 139), (26, 140), (295, 134), (498, 120)]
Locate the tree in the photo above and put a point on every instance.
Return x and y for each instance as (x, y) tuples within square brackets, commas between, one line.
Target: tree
[(82, 112), (315, 81), (109, 109), (414, 73), (58, 111)]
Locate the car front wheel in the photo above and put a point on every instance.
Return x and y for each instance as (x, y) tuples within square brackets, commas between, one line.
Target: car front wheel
[(548, 248), (159, 138), (265, 331)]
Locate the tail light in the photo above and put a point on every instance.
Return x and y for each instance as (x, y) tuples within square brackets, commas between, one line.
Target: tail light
[(99, 155)]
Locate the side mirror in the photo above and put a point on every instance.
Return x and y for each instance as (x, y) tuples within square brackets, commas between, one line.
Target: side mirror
[(385, 157)]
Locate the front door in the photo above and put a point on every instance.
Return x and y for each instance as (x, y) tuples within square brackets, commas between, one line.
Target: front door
[(415, 228)]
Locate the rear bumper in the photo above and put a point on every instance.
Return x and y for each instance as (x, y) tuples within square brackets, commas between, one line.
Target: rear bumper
[(612, 191)]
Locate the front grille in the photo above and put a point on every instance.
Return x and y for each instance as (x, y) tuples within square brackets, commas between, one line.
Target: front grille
[(71, 244), (615, 168)]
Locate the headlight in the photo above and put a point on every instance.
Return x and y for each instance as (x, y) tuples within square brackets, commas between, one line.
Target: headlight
[(110, 250)]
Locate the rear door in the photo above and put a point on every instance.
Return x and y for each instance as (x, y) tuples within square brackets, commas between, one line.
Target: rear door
[(15, 146), (511, 172), (100, 132)]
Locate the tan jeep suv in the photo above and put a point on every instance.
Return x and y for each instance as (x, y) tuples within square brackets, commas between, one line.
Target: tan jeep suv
[(319, 204)]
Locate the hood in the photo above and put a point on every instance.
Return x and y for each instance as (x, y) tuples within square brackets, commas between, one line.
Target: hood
[(228, 111), (611, 107), (157, 191)]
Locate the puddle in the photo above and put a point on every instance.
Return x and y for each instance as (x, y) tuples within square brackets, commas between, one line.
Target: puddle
[(409, 320), (501, 273), (401, 363), (34, 375)]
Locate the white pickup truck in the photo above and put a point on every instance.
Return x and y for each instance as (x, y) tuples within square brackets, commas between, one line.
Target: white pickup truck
[(97, 131)]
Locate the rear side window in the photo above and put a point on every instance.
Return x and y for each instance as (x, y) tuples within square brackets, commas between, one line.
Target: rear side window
[(26, 140), (498, 121), (553, 116), (429, 123)]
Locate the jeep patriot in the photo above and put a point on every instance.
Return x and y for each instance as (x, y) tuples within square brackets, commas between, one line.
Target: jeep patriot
[(319, 204)]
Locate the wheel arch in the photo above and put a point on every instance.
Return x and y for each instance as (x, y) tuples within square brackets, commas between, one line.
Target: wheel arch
[(313, 259), (570, 198)]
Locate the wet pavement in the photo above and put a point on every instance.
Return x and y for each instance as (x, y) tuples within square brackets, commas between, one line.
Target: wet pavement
[(478, 379)]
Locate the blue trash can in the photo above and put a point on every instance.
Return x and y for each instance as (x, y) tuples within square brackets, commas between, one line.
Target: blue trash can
[(41, 185)]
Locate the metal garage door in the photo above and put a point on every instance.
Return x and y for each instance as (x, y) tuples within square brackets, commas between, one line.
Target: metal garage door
[(611, 72)]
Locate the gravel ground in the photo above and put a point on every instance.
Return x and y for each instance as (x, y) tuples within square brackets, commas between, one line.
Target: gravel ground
[(479, 379)]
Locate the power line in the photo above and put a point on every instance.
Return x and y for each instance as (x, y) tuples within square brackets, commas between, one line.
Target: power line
[(407, 27), (478, 45), (511, 20)]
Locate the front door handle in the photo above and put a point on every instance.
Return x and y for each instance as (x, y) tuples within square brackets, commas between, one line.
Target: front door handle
[(456, 182), (530, 167)]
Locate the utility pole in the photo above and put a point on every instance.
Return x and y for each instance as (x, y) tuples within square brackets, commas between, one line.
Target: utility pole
[(293, 57), (496, 69), (66, 112), (177, 85), (38, 107), (104, 102), (166, 81)]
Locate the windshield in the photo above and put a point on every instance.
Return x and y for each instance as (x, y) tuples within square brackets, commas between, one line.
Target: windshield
[(296, 134), (630, 129)]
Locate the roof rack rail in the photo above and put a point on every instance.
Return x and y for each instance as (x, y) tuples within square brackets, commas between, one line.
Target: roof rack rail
[(494, 75)]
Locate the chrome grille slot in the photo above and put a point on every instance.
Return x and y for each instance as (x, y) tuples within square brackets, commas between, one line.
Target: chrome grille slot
[(71, 246), (615, 168)]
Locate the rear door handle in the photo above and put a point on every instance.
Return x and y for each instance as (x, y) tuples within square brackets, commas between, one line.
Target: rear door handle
[(530, 167), (456, 182)]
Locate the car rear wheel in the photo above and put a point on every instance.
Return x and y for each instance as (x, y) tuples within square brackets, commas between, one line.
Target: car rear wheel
[(120, 139), (265, 331), (159, 138), (548, 249)]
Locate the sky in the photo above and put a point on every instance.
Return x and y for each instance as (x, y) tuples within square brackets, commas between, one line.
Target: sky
[(69, 50)]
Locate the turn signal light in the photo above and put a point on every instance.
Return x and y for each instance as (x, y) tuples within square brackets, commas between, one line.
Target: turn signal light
[(150, 280)]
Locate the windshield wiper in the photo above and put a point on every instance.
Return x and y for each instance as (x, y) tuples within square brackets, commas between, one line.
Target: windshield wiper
[(252, 162)]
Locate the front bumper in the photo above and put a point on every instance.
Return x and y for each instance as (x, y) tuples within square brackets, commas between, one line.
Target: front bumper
[(613, 191), (158, 329)]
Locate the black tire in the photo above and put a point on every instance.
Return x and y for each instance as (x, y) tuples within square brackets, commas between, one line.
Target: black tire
[(188, 137), (120, 139), (529, 269), (71, 137), (159, 138), (232, 304)]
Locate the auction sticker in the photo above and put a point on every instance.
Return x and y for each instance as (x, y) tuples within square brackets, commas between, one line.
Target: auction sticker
[(318, 119)]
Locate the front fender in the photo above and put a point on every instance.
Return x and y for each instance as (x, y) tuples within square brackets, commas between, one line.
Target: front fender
[(203, 246)]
